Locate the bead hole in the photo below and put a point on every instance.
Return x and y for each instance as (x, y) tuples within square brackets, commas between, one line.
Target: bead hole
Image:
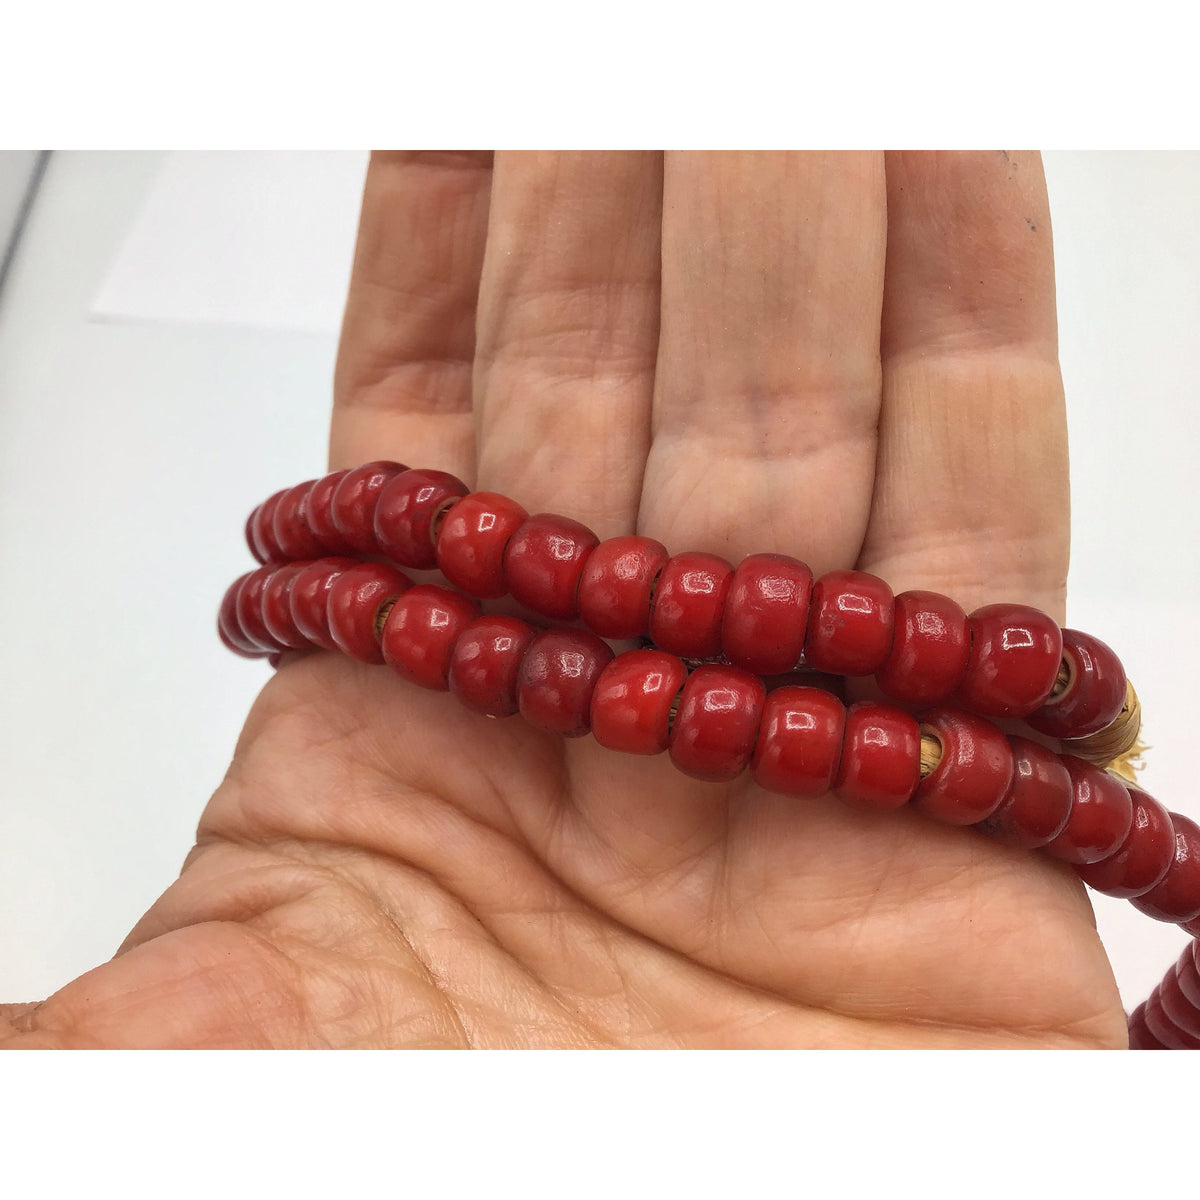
[(932, 749), (381, 616)]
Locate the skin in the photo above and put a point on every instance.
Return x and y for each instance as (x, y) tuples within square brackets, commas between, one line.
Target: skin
[(851, 358)]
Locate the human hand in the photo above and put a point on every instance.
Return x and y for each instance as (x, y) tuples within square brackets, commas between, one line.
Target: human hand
[(737, 353)]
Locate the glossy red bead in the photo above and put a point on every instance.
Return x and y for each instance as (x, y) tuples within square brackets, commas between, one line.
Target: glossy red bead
[(485, 661), (557, 678), (1188, 973), (318, 512), (277, 608), (1177, 897), (1101, 815), (929, 650), (881, 758), (420, 633), (799, 741), (249, 610), (352, 508), (1140, 1038), (617, 586), (1143, 859), (250, 542), (689, 605), (631, 705), (544, 562), (1179, 1010), (766, 614), (717, 722), (972, 776), (262, 530), (1038, 801), (309, 598), (353, 603), (472, 539), (406, 513), (1013, 663), (290, 525), (850, 623), (1163, 1028), (228, 626), (1095, 691)]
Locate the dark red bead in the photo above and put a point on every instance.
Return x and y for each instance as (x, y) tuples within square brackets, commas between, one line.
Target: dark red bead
[(309, 599), (881, 758), (1094, 694), (228, 626), (420, 633), (249, 608), (250, 542), (277, 608), (1140, 1038), (353, 604), (1014, 660), (318, 512), (974, 772), (1179, 1010), (1038, 801), (929, 650), (290, 525), (557, 678), (1144, 857), (689, 605), (352, 508), (1188, 973), (1177, 897), (544, 562), (617, 586), (766, 614), (262, 530), (406, 513), (799, 741), (1101, 815), (716, 725), (850, 623), (631, 706), (485, 661), (1163, 1028), (472, 540)]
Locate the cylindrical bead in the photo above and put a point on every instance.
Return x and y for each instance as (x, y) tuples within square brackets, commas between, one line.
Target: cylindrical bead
[(1177, 897), (1038, 801), (617, 586), (353, 604), (318, 512), (557, 678), (353, 506), (850, 623), (1101, 815), (544, 561), (230, 628), (689, 605), (420, 633), (631, 705), (1094, 693), (249, 609), (1143, 859), (290, 525), (309, 598), (1015, 655), (277, 608), (799, 741), (405, 513), (974, 772), (929, 650), (472, 540), (766, 614), (485, 662), (716, 725), (881, 758), (262, 530)]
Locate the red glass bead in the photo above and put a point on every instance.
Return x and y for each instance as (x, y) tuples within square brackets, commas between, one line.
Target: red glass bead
[(544, 562), (1140, 1038), (689, 605), (485, 661), (421, 630), (850, 623), (262, 530), (1101, 815), (353, 602), (631, 706), (1014, 660), (617, 586), (766, 614), (1038, 801), (1177, 897), (290, 525), (1095, 691), (250, 611), (929, 650), (1163, 1028), (309, 598), (472, 539), (716, 725), (353, 505), (1178, 1008), (1188, 974), (557, 678), (974, 772), (277, 608), (406, 512), (250, 542), (228, 626), (318, 512), (881, 758), (1145, 856), (799, 741)]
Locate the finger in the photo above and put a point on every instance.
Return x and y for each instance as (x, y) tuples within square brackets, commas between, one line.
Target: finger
[(402, 388), (767, 391), (972, 495), (568, 329)]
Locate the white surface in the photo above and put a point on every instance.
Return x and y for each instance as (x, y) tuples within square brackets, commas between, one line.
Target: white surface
[(130, 454), (16, 173)]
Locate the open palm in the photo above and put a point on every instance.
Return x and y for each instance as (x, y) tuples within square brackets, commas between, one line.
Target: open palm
[(838, 357)]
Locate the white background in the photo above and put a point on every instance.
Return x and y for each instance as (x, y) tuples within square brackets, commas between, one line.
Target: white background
[(131, 450)]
